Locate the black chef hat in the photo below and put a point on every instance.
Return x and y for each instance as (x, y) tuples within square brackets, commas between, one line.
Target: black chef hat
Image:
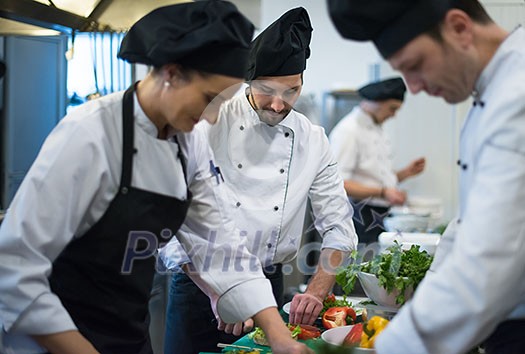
[(384, 90), (282, 48), (2, 69), (212, 36), (390, 24)]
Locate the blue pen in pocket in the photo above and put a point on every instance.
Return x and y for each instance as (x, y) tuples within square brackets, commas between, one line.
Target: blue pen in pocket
[(216, 171)]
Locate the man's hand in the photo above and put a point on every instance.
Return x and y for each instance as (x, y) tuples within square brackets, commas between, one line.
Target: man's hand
[(395, 196), (237, 328), (414, 168), (68, 342), (305, 309)]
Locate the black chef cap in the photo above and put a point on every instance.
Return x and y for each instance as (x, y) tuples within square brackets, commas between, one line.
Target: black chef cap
[(2, 69), (211, 36), (384, 90), (390, 24), (282, 48)]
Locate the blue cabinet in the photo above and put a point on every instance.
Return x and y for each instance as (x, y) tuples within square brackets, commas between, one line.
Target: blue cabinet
[(34, 101)]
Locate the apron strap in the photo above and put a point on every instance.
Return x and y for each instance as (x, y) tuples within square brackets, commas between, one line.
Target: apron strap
[(127, 139), (128, 150), (180, 155)]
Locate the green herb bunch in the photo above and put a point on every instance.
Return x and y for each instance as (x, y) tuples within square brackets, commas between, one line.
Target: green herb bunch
[(396, 269)]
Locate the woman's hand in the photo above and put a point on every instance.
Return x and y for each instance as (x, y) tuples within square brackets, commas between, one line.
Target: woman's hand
[(68, 342)]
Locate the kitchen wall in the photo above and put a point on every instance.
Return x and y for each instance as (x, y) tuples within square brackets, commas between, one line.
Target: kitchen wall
[(334, 62), (424, 126)]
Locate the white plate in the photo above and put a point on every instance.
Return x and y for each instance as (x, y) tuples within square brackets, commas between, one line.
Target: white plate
[(336, 336), (354, 300), (427, 242)]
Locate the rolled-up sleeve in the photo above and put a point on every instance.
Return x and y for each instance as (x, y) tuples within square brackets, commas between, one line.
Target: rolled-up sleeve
[(332, 210)]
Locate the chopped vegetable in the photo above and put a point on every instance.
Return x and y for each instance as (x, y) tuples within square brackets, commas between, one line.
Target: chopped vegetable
[(258, 336), (305, 331), (296, 332), (371, 330), (338, 317), (396, 269)]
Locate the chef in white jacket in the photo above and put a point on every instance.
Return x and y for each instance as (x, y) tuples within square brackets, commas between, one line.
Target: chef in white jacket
[(272, 159), (475, 291), (364, 155), (112, 182)]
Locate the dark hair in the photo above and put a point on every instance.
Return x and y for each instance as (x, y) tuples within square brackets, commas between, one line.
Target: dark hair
[(186, 72), (473, 8), (302, 79)]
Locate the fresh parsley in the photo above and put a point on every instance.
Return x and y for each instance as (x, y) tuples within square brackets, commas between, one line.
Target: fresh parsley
[(396, 269)]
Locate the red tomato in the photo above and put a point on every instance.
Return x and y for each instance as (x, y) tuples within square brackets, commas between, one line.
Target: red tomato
[(354, 336), (329, 298)]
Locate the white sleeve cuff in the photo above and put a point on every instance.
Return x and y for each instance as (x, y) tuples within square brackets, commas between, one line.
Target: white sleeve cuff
[(245, 300), (45, 315), (342, 242), (173, 255)]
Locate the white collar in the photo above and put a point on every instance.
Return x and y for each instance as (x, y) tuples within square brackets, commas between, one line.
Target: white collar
[(365, 119), (513, 41)]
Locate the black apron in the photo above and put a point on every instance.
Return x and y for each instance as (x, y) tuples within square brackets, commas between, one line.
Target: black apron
[(108, 305)]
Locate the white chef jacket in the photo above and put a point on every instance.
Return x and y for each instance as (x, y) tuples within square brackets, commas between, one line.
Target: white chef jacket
[(270, 172), (67, 190), (363, 152), (477, 279)]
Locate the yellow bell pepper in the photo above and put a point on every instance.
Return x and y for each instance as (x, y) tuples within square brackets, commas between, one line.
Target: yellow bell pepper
[(371, 330)]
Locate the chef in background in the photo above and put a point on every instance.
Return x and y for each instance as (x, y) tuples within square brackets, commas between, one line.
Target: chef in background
[(474, 292), (114, 180), (273, 159), (364, 157)]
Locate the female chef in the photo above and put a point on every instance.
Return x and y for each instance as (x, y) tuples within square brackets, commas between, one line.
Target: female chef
[(113, 180)]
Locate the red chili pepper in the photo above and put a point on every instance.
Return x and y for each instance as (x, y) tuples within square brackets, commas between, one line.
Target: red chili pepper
[(338, 316), (354, 336)]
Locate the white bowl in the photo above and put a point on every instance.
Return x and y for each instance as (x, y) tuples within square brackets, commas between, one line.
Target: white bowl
[(377, 293), (426, 242), (381, 311), (336, 336), (432, 206), (407, 223)]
